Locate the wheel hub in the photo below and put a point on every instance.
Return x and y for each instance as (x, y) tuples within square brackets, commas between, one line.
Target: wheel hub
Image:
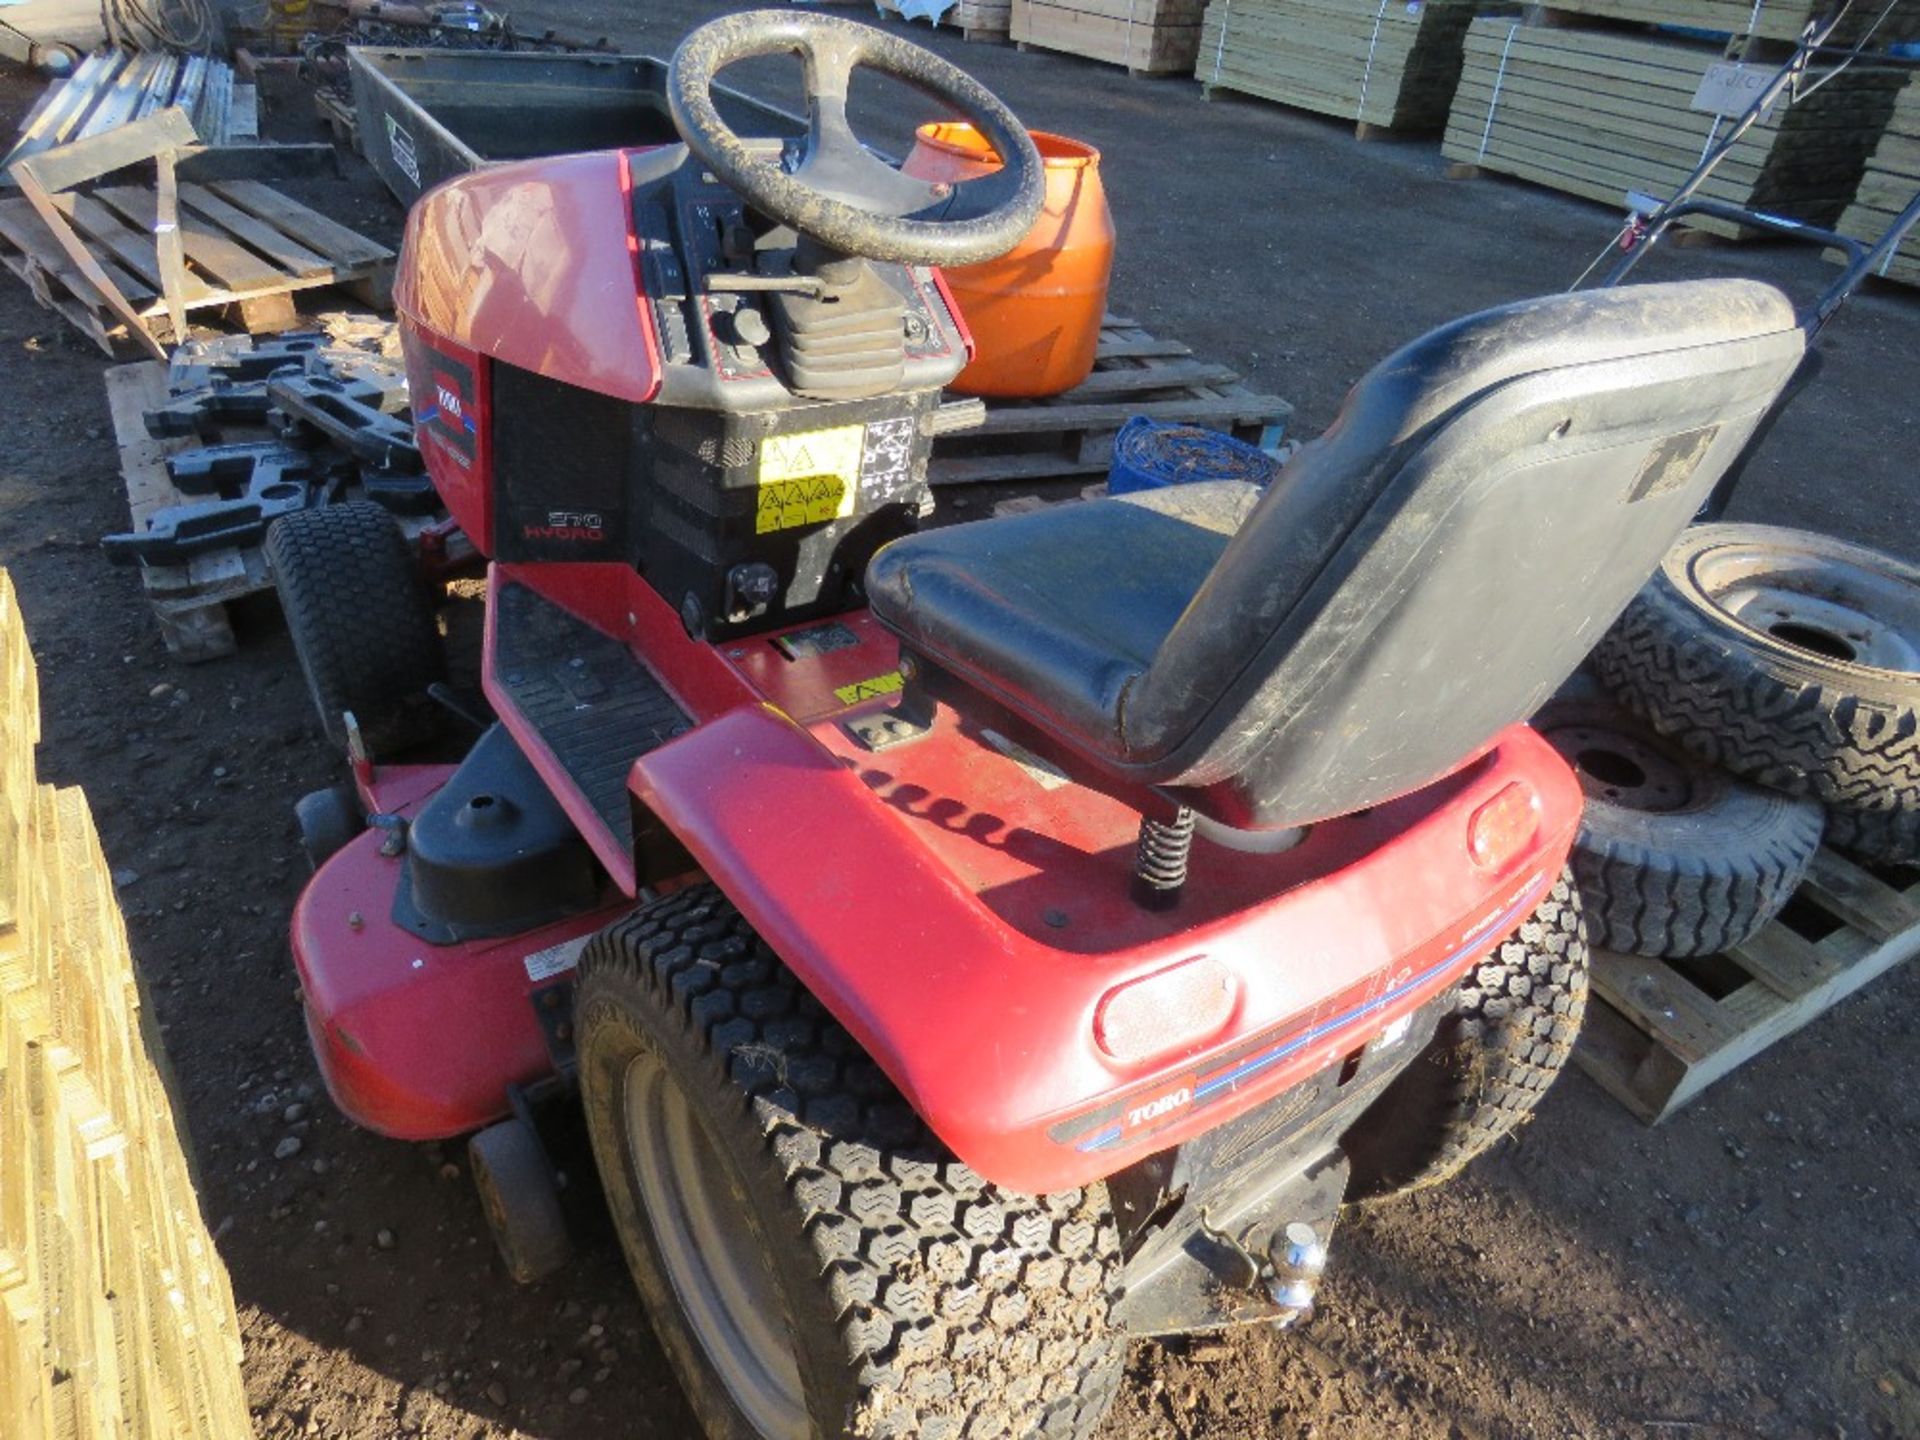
[(712, 1253), (1816, 603), (1622, 769)]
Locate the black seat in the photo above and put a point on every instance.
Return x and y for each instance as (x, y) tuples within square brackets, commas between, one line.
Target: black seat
[(1417, 579)]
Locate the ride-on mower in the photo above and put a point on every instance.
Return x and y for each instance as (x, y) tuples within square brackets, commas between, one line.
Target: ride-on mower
[(977, 946)]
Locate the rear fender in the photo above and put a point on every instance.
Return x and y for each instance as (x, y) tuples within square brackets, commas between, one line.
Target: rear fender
[(990, 1033)]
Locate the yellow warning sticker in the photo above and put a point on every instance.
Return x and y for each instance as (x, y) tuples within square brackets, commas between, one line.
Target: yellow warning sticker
[(808, 478), (887, 684)]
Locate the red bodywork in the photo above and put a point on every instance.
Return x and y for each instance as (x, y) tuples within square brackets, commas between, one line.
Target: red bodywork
[(416, 1041), (959, 906), (965, 918), (962, 916)]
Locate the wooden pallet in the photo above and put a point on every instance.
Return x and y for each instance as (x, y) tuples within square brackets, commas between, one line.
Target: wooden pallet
[(1658, 1032), (190, 601), (336, 112), (247, 248), (1072, 434)]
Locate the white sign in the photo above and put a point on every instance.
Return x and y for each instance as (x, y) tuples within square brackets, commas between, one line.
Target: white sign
[(1730, 88), (555, 959), (400, 143)]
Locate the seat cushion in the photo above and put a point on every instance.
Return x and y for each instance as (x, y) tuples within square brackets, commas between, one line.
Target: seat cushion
[(1057, 611)]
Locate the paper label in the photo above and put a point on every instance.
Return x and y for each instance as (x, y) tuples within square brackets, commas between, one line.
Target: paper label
[(555, 959), (1729, 88), (808, 478), (400, 143)]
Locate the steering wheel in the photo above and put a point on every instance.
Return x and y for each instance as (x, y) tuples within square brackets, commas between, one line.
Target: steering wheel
[(840, 193)]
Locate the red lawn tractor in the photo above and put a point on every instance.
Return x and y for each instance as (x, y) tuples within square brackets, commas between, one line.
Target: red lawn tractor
[(973, 947)]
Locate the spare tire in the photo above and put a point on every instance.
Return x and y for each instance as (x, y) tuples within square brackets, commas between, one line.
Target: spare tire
[(1673, 858), (1789, 658)]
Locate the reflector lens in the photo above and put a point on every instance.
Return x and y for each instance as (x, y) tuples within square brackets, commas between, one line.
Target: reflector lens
[(1501, 829), (1174, 1009)]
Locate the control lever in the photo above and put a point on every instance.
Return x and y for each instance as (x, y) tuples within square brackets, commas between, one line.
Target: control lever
[(727, 282)]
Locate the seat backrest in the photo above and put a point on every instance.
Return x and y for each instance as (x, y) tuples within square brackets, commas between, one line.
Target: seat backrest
[(1434, 566)]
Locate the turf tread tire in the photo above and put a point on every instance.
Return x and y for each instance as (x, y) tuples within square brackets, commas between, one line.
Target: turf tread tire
[(1491, 1060), (1847, 735), (361, 625), (952, 1307)]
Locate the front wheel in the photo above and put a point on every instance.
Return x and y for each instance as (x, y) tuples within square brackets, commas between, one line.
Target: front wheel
[(362, 627), (1491, 1060), (814, 1262)]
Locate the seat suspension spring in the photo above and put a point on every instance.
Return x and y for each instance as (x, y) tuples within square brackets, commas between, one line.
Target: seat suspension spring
[(1160, 868)]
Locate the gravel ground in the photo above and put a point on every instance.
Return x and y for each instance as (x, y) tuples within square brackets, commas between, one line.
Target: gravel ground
[(1746, 1270)]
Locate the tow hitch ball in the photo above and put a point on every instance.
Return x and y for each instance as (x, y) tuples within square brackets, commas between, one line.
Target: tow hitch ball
[(1296, 1258)]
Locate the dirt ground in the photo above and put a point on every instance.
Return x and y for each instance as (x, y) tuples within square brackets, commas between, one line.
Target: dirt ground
[(1746, 1270)]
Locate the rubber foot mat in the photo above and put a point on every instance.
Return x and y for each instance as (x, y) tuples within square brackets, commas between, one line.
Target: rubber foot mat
[(595, 705)]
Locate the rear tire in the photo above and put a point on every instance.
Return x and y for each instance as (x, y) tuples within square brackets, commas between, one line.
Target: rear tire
[(814, 1261), (1791, 659), (1488, 1064), (361, 625), (1673, 858)]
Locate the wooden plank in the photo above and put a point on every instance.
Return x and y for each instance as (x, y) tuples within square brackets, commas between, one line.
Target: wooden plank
[(1132, 381), (1784, 962), (236, 268), (1853, 896), (1676, 1013), (168, 246), (1386, 66), (83, 260), (205, 165), (22, 228), (1114, 347), (1048, 419), (347, 249), (291, 256), (82, 160)]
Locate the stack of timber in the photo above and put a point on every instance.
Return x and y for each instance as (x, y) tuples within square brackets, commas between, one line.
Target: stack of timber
[(116, 1316), (1892, 178), (1606, 114), (974, 19), (1148, 37), (1383, 63), (1761, 19)]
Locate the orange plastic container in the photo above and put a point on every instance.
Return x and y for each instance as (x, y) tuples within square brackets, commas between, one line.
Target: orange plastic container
[(1035, 312)]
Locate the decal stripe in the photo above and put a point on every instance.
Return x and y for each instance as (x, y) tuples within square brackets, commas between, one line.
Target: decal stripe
[(1234, 1074)]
